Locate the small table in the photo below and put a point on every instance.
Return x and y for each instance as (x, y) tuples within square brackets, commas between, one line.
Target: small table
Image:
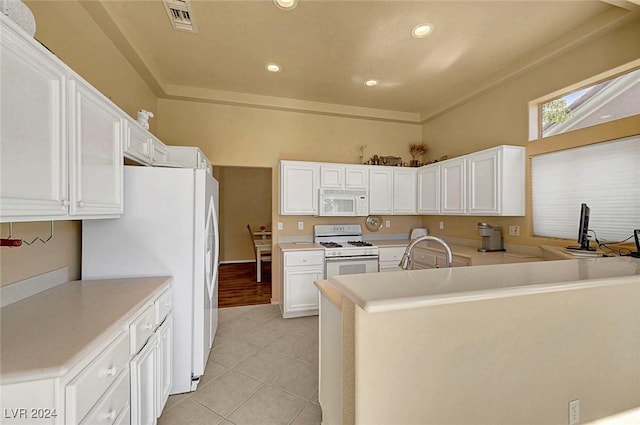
[(261, 246)]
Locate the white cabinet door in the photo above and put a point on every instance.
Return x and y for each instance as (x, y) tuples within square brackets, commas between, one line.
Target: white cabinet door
[(137, 143), (429, 189), (332, 176), (33, 132), (301, 294), (95, 147), (380, 190), (159, 153), (453, 183), (298, 188), (164, 362), (143, 394), (483, 177), (356, 177), (404, 191)]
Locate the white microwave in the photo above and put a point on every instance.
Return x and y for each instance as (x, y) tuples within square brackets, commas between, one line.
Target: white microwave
[(343, 202)]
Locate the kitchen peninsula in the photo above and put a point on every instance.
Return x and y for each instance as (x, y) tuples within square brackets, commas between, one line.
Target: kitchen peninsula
[(510, 343)]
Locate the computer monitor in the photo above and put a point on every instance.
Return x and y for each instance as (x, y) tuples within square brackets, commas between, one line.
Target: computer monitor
[(583, 230), (636, 235)]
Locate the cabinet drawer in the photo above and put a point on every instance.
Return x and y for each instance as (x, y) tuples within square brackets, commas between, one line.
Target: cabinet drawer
[(391, 254), (137, 143), (142, 328), (306, 258), (162, 306), (86, 388), (112, 404), (423, 258)]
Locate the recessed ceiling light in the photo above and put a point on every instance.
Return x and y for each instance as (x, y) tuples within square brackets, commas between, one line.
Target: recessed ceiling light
[(422, 30), (273, 67), (371, 83), (286, 4)]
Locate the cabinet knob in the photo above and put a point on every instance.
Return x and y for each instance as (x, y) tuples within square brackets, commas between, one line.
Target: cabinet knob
[(109, 372), (111, 414), (81, 204), (148, 326), (65, 203)]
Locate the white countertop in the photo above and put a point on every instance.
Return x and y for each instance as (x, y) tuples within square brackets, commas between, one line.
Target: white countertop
[(44, 335), (299, 246), (375, 292)]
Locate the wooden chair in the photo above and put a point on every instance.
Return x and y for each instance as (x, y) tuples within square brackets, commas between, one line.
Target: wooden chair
[(261, 251)]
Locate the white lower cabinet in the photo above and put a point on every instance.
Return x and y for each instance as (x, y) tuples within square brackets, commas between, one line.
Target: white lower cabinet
[(299, 272), (110, 385), (425, 258), (390, 257), (164, 363), (143, 385)]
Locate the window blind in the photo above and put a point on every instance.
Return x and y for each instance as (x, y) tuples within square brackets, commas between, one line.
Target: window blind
[(605, 176)]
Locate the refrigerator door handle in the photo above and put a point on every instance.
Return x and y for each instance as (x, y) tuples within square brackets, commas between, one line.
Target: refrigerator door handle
[(212, 239)]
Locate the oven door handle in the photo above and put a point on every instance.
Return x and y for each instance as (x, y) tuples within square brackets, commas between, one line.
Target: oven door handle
[(354, 258)]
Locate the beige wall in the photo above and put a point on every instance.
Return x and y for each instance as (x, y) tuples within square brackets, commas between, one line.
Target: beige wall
[(500, 116), (245, 198), (67, 30), (243, 136)]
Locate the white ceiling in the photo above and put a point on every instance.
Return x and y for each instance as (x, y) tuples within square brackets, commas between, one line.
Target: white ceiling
[(327, 49)]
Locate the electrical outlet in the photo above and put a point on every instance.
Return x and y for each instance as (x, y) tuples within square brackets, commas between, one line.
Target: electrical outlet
[(441, 225), (301, 225), (574, 412), (387, 223), (280, 225), (514, 230)]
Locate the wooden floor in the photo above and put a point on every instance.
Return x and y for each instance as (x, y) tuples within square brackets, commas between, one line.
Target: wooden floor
[(237, 285)]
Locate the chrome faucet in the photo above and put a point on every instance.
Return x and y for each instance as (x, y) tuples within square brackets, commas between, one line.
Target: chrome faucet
[(405, 262)]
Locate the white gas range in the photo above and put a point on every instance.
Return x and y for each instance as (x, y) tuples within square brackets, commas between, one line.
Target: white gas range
[(344, 250)]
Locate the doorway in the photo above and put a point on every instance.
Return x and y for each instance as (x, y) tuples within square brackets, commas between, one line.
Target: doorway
[(245, 198)]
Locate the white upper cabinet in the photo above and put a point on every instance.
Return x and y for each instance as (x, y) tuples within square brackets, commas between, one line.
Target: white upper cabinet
[(341, 176), (95, 143), (453, 185), (380, 190), (429, 189), (332, 176), (33, 132), (136, 143), (488, 182), (497, 181), (356, 177), (61, 139), (299, 183), (404, 190)]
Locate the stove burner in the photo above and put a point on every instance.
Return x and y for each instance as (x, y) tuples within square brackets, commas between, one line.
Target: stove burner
[(330, 245), (359, 243)]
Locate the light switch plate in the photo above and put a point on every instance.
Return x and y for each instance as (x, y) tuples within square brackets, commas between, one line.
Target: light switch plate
[(301, 225), (280, 225), (387, 223)]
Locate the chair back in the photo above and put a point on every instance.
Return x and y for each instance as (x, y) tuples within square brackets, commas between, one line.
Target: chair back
[(253, 241)]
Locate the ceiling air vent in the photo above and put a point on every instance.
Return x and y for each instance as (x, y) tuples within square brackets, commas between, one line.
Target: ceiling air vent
[(179, 12)]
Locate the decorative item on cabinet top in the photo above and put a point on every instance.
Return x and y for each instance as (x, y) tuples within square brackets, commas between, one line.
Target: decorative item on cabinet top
[(417, 150)]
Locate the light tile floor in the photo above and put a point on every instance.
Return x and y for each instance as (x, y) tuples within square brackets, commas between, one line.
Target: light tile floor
[(262, 370)]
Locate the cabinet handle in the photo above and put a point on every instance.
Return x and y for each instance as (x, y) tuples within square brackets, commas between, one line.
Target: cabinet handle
[(148, 326), (111, 414), (81, 204), (109, 372), (65, 203)]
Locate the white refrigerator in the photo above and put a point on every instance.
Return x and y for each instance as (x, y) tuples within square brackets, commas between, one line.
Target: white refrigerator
[(169, 228)]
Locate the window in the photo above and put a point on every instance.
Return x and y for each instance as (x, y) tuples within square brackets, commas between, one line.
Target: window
[(606, 176), (606, 97)]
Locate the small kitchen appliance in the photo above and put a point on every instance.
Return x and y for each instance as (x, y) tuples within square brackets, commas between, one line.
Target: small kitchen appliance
[(343, 202), (491, 238), (345, 251)]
